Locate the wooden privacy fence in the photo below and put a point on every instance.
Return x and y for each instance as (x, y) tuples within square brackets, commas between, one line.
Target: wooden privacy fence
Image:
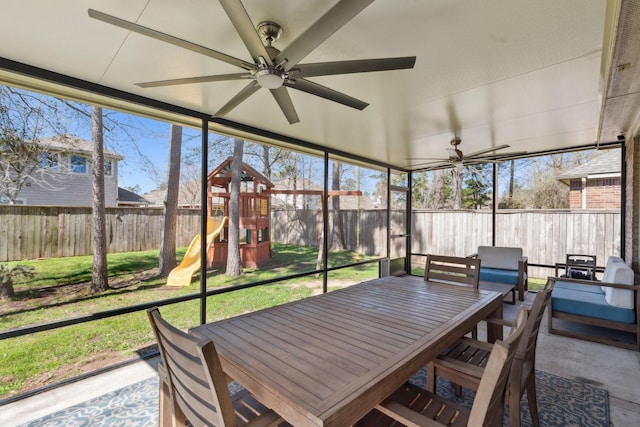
[(546, 236), (31, 232), (28, 232)]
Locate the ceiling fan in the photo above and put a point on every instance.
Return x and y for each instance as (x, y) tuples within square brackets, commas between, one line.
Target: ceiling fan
[(271, 68), (459, 160)]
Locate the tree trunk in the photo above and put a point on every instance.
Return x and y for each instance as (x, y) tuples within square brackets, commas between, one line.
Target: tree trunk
[(266, 160), (337, 234), (512, 171), (457, 187), (6, 289), (438, 189), (99, 280), (168, 244), (234, 263)]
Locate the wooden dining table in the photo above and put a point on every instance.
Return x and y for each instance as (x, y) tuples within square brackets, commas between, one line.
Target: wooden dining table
[(327, 360)]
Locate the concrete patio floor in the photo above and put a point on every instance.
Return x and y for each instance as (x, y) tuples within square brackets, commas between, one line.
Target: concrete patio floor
[(614, 369)]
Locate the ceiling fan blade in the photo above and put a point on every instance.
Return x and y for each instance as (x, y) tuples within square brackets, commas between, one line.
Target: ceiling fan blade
[(477, 161), (145, 31), (357, 66), (201, 79), (503, 156), (488, 150), (433, 159), (245, 93), (454, 123), (432, 165), (246, 30), (326, 93), (284, 101), (343, 12)]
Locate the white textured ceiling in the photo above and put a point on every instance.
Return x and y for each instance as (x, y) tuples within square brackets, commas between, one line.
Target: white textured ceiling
[(528, 74)]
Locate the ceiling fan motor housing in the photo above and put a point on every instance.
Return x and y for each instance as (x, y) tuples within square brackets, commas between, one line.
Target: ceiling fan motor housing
[(269, 31), (270, 78)]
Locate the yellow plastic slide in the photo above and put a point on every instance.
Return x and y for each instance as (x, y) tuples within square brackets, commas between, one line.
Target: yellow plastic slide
[(181, 275)]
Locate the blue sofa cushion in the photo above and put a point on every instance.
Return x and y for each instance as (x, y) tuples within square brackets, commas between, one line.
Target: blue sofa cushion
[(588, 304), (499, 275), (580, 287)]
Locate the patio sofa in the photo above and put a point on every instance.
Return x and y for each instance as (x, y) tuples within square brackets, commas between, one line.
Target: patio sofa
[(502, 264), (589, 310)]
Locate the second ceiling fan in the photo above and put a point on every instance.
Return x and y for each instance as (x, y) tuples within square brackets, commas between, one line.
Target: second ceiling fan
[(459, 160), (271, 68)]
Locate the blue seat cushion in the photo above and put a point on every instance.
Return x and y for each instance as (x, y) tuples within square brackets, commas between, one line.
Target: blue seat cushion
[(499, 275), (589, 304), (594, 289)]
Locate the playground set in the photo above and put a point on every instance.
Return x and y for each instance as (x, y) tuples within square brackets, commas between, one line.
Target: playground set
[(254, 223)]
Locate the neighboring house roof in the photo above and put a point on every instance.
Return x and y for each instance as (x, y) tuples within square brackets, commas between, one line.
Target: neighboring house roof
[(606, 163), (130, 198), (73, 144)]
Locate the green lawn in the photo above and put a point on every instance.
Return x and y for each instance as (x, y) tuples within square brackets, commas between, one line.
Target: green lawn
[(60, 291)]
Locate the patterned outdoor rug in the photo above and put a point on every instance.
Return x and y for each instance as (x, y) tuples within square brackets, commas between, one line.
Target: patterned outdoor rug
[(561, 402)]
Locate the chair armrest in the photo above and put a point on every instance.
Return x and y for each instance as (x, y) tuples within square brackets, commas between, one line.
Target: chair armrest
[(523, 263), (559, 266), (498, 321), (598, 283)]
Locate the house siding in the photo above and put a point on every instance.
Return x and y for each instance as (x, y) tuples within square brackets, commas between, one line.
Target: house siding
[(63, 188)]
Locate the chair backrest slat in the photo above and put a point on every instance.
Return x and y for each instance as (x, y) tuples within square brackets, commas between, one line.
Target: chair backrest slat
[(489, 399), (197, 382), (527, 348), (453, 270)]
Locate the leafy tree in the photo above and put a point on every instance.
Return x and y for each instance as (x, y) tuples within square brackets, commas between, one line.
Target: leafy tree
[(21, 124), (420, 190), (439, 189), (478, 186), (24, 118)]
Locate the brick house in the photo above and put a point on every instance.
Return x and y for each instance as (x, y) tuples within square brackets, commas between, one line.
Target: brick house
[(595, 184)]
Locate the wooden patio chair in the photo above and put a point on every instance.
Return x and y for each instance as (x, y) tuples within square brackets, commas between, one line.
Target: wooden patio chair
[(195, 387), (413, 406), (452, 270), (464, 363)]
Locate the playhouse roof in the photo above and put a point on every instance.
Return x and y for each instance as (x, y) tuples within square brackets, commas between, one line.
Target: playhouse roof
[(221, 175)]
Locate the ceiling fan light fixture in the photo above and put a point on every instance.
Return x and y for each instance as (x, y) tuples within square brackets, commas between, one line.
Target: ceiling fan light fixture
[(270, 78)]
